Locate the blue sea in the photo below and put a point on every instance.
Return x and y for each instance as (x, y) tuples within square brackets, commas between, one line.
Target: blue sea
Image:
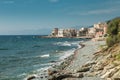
[(21, 56)]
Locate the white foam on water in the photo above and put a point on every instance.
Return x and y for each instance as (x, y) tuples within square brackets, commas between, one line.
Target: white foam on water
[(23, 74), (42, 72), (42, 69), (66, 43), (30, 76), (67, 54), (46, 55), (79, 46), (71, 51), (47, 64)]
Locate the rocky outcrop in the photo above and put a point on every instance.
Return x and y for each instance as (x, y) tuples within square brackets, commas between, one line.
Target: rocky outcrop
[(31, 77), (83, 69), (60, 76), (105, 64)]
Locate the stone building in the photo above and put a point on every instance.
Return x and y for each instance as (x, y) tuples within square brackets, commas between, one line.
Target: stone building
[(82, 32), (91, 32), (67, 33), (54, 32), (100, 25), (73, 32), (101, 29)]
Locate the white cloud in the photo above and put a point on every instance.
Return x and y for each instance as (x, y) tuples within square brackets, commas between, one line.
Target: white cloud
[(95, 12), (53, 1), (102, 11)]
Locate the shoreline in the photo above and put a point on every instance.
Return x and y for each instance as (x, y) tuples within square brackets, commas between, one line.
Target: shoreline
[(56, 66), (82, 37), (61, 68), (71, 68), (71, 71), (66, 61)]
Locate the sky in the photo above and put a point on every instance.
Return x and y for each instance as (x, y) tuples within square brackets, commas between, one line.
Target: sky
[(39, 17)]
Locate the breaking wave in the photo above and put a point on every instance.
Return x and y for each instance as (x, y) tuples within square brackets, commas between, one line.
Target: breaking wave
[(45, 55), (66, 43), (67, 54)]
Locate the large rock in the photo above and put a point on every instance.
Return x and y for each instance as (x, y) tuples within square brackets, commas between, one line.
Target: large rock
[(83, 69), (108, 79), (116, 78), (89, 74), (52, 71), (77, 75), (110, 73), (31, 77), (89, 64), (63, 76), (59, 76), (97, 68)]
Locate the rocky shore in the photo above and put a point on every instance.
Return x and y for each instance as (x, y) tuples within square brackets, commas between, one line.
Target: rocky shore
[(79, 66), (94, 61)]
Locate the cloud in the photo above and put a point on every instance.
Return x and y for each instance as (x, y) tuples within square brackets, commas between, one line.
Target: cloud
[(95, 12), (9, 2), (53, 1)]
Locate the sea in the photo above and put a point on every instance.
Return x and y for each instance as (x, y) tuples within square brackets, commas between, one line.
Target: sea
[(25, 55)]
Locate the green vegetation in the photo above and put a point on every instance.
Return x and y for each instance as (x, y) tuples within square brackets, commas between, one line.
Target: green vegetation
[(103, 47), (113, 32), (118, 56)]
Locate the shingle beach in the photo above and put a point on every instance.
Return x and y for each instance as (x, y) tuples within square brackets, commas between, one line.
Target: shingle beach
[(81, 57)]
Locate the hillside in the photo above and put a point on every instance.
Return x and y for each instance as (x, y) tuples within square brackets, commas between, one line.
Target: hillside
[(108, 63), (108, 59)]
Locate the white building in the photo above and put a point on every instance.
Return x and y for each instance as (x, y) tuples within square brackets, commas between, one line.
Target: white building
[(82, 32), (54, 32), (91, 32), (100, 25), (60, 33)]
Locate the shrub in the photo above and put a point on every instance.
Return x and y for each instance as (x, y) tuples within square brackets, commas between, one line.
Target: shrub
[(111, 41), (113, 32), (118, 56), (118, 37)]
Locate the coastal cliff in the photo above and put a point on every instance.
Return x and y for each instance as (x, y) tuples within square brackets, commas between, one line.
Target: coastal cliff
[(108, 63), (96, 63)]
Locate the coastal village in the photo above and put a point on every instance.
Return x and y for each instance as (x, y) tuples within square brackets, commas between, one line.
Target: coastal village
[(97, 32)]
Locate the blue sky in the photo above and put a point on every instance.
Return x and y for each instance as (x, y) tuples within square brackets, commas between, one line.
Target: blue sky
[(19, 17)]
